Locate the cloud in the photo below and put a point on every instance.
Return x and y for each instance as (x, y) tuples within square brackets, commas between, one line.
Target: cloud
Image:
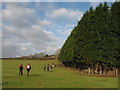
[(28, 41), (57, 0), (36, 34), (26, 31), (9, 49), (43, 7), (17, 1), (18, 15), (65, 33), (44, 24), (24, 34), (12, 33), (66, 30), (64, 15), (0, 40)]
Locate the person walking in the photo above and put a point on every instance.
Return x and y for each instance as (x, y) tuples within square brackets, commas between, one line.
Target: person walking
[(53, 66), (48, 67), (44, 68), (20, 69), (28, 68)]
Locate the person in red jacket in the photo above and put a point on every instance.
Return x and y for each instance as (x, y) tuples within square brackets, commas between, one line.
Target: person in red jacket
[(28, 67), (20, 69)]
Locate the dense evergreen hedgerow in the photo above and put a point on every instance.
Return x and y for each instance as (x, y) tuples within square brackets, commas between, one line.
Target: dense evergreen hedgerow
[(94, 39)]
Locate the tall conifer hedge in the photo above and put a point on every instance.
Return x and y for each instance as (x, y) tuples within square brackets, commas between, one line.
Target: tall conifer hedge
[(94, 40)]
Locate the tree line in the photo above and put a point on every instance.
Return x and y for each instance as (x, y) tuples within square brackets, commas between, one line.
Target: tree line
[(92, 46)]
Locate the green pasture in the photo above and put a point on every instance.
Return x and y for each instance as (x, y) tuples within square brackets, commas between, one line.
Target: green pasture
[(59, 77)]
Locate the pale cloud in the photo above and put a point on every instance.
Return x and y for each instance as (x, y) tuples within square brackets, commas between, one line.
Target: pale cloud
[(0, 40), (24, 34), (0, 14), (65, 15), (42, 40), (16, 1), (58, 0), (44, 22), (44, 7), (9, 49), (67, 29), (28, 41), (65, 32), (10, 32), (18, 16)]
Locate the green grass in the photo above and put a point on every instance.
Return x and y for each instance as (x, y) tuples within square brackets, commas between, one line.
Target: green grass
[(58, 78), (0, 74)]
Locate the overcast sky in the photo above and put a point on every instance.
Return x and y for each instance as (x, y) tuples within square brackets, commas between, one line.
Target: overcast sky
[(34, 27)]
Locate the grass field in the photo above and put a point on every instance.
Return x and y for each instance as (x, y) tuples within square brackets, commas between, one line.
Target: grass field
[(0, 74), (58, 78)]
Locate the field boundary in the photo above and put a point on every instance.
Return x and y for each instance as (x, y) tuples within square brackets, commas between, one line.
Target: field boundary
[(83, 73)]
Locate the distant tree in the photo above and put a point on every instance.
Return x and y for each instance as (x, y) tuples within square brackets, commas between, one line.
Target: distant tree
[(57, 52), (42, 54), (46, 55)]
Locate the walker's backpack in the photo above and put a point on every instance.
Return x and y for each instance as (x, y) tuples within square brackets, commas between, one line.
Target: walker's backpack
[(20, 67), (28, 66)]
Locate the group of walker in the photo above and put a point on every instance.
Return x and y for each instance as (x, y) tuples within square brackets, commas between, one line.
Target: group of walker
[(28, 67), (49, 67)]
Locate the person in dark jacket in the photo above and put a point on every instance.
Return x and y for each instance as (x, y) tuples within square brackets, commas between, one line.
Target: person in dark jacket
[(48, 67), (20, 69)]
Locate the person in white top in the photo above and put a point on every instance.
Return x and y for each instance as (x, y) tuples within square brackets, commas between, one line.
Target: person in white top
[(28, 67)]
